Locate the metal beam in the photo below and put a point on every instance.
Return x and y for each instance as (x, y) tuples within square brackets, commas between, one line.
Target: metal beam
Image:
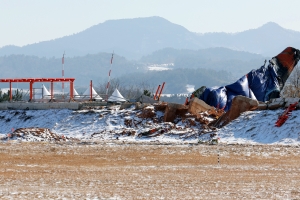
[(51, 90), (10, 92), (26, 80), (71, 90), (30, 89)]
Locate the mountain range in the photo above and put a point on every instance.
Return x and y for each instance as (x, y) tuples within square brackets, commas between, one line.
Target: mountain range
[(210, 67), (138, 37), (210, 59)]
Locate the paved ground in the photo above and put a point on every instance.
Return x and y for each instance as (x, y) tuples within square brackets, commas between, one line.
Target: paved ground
[(144, 171)]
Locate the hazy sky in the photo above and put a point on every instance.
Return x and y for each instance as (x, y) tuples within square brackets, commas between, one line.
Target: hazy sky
[(30, 21)]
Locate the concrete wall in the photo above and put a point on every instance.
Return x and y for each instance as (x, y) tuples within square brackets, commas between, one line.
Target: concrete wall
[(39, 106), (94, 103)]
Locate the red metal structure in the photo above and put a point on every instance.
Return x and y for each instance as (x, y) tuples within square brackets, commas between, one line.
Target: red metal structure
[(282, 118), (31, 81), (156, 92), (162, 87)]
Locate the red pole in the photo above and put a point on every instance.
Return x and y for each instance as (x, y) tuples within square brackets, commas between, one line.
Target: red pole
[(51, 90), (186, 101), (63, 74), (71, 90), (10, 92), (156, 92), (162, 87), (91, 86), (30, 88)]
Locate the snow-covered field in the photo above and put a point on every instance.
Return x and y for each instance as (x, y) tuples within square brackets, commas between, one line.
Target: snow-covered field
[(130, 125), (108, 153), (258, 127)]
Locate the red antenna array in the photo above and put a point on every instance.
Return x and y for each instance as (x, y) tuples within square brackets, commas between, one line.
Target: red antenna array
[(107, 86)]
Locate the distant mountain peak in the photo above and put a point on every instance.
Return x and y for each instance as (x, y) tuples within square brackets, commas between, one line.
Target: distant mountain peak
[(137, 37), (144, 19), (271, 25)]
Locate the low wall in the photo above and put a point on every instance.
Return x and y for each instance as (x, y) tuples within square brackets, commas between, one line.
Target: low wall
[(93, 103), (39, 106)]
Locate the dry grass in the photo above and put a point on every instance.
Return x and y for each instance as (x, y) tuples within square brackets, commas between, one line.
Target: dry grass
[(122, 171)]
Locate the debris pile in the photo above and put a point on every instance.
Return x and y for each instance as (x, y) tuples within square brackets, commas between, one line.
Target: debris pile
[(282, 118), (168, 122), (35, 134), (160, 120)]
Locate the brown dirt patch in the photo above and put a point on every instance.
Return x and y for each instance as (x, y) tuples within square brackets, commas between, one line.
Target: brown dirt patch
[(123, 171)]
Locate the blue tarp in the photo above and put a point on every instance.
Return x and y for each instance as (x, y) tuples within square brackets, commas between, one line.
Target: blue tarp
[(261, 84), (257, 84)]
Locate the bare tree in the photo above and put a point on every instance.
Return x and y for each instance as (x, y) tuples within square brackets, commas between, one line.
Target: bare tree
[(113, 84), (128, 91)]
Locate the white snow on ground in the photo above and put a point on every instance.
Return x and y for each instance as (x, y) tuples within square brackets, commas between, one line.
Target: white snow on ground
[(259, 127), (255, 127)]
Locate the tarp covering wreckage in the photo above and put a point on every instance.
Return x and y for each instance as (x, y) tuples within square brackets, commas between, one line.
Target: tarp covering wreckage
[(261, 84)]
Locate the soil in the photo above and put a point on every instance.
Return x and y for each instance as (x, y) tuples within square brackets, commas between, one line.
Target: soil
[(148, 171)]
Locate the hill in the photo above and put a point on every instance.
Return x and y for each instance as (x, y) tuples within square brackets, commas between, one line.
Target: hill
[(238, 63), (134, 38), (267, 40), (131, 38), (90, 67), (210, 67), (178, 79)]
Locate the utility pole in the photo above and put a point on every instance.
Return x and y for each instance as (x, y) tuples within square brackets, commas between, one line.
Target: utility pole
[(111, 60)]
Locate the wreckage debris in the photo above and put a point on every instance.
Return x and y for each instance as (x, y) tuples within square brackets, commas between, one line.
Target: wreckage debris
[(36, 134), (276, 103), (282, 118), (173, 110), (147, 113), (239, 105), (197, 105), (262, 84), (150, 121), (166, 119)]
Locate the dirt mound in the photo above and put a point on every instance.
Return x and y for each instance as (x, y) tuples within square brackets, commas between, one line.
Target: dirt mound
[(182, 125), (35, 134)]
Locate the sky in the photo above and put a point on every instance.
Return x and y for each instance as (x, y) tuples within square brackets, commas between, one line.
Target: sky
[(32, 21)]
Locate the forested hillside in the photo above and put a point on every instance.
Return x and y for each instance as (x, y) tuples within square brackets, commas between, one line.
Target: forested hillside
[(83, 69), (210, 67), (237, 63), (177, 79)]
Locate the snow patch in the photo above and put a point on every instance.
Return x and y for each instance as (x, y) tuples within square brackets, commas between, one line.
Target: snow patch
[(160, 67), (129, 125)]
